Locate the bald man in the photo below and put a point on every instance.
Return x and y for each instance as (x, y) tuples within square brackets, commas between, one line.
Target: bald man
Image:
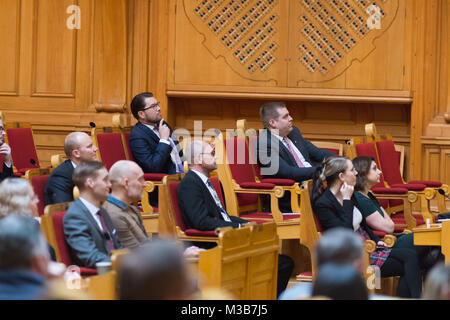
[(127, 184), (79, 148)]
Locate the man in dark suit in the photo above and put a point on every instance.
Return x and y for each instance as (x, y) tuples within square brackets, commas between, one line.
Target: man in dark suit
[(79, 148), (5, 152), (282, 152), (201, 207), (88, 229), (152, 142)]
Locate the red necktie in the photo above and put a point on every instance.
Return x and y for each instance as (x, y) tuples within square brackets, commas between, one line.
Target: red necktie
[(294, 154), (105, 231)]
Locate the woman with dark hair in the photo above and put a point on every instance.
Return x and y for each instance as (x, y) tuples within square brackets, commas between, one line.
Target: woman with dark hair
[(335, 207), (377, 218)]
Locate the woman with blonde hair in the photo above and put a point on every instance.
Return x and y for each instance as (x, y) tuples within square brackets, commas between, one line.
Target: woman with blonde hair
[(335, 206), (17, 197)]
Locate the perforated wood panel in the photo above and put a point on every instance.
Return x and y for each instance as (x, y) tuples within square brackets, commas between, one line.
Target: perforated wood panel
[(289, 41)]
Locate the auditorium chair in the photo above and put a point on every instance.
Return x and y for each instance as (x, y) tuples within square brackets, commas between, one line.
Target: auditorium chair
[(311, 230), (397, 201), (244, 263), (38, 179), (53, 224), (392, 175), (175, 219), (242, 189), (334, 147), (19, 136), (250, 135)]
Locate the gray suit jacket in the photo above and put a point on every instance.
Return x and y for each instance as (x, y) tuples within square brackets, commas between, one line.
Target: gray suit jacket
[(88, 243)]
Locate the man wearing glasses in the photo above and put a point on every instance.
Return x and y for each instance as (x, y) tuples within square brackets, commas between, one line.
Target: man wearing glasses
[(5, 152), (153, 148)]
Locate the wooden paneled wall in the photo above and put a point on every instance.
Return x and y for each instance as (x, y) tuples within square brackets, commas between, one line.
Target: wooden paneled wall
[(60, 79)]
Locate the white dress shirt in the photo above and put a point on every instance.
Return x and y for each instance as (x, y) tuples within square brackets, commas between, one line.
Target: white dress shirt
[(174, 156), (306, 164), (93, 210), (213, 194)]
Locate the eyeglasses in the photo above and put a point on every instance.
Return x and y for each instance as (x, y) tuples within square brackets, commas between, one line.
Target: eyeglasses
[(212, 153), (152, 106)]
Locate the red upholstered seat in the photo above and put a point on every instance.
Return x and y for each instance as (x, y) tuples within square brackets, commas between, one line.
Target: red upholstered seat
[(383, 190), (127, 144), (257, 185), (173, 190), (335, 151), (410, 186), (111, 148), (154, 176), (23, 149), (428, 184), (240, 167), (279, 182), (379, 233), (390, 168), (399, 218), (38, 183), (63, 247), (266, 216), (198, 233)]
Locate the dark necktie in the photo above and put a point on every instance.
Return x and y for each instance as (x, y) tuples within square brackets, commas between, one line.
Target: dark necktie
[(105, 231)]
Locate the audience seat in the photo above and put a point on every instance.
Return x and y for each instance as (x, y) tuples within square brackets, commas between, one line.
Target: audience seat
[(242, 189), (334, 147), (171, 183), (54, 215), (38, 179), (426, 190), (401, 213), (19, 136)]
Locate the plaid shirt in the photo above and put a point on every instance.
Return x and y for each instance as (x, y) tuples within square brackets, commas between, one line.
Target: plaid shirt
[(380, 255)]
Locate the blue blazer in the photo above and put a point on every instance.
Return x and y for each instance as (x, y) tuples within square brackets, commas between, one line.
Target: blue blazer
[(87, 242), (151, 155), (59, 186), (269, 146)]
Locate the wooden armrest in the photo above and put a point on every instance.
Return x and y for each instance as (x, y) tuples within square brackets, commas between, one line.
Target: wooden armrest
[(390, 240), (36, 172), (370, 246)]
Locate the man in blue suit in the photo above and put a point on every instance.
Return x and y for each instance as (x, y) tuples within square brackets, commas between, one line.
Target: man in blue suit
[(282, 152), (153, 146)]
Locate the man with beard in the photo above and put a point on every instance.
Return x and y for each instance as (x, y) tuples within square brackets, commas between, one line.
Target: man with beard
[(151, 144)]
